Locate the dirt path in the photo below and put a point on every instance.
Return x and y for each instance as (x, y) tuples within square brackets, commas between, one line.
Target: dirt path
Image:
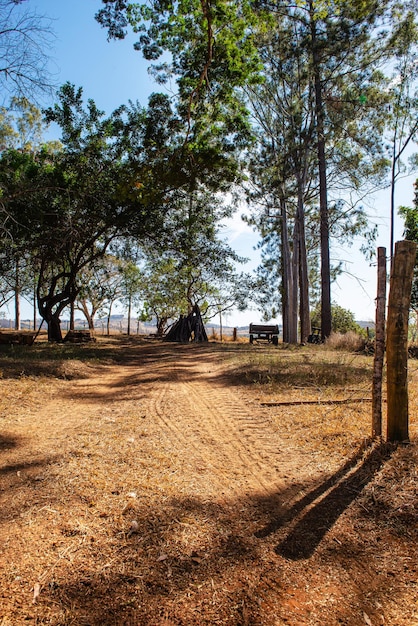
[(159, 491), (225, 443)]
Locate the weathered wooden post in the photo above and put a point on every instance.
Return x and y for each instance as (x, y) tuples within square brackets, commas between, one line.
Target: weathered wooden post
[(397, 340), (379, 344)]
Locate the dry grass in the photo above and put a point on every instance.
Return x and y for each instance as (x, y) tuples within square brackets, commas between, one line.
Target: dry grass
[(121, 505), (347, 342)]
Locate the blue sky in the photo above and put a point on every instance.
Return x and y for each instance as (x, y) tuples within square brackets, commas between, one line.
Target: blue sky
[(112, 73)]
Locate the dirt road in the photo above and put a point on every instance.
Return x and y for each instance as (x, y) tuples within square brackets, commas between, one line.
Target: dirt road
[(158, 490)]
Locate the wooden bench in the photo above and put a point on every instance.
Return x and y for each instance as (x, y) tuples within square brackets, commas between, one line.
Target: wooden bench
[(268, 332), (22, 338)]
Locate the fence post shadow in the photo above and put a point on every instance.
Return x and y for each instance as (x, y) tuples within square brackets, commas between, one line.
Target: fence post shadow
[(305, 536), (343, 487)]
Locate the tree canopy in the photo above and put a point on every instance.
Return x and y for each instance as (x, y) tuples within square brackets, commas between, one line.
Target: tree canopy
[(68, 206), (410, 217), (312, 76), (129, 175), (296, 102)]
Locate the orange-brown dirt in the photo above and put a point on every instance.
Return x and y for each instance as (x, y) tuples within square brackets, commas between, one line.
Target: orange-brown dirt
[(176, 485)]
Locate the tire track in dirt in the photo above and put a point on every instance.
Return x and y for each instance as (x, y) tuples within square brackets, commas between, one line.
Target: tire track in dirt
[(185, 434), (248, 441), (222, 445), (215, 428)]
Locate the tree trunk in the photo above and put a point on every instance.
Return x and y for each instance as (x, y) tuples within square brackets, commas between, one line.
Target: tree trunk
[(54, 326), (108, 319), (161, 324), (90, 316), (392, 201), (397, 340), (72, 322), (129, 314), (323, 200), (17, 296), (294, 309), (52, 318), (286, 274), (379, 345), (304, 316), (60, 294), (35, 309)]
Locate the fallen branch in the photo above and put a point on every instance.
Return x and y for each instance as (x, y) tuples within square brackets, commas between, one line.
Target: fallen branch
[(290, 402)]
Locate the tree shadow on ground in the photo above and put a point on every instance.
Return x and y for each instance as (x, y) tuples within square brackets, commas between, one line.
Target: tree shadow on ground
[(314, 515), (192, 561), (167, 575), (7, 442), (160, 568), (49, 360), (20, 484)]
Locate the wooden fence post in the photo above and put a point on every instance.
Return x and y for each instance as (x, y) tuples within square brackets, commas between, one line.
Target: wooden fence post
[(379, 344), (397, 340)]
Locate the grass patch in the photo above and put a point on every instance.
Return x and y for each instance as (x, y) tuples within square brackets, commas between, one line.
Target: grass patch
[(305, 367), (64, 360)]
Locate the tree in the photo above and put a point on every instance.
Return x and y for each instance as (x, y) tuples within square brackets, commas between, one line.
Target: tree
[(284, 182), (215, 49), (343, 54), (343, 320), (114, 288), (192, 164), (21, 129), (162, 294), (104, 200), (127, 175), (214, 54), (130, 287), (402, 119), (25, 38), (96, 287), (410, 217), (211, 44), (281, 167), (21, 125), (67, 207), (193, 266)]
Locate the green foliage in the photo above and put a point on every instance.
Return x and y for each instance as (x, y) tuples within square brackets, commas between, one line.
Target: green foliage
[(342, 319), (21, 125), (211, 44), (209, 49), (132, 174), (410, 217), (102, 282), (66, 207), (283, 164), (402, 117), (191, 264), (162, 293)]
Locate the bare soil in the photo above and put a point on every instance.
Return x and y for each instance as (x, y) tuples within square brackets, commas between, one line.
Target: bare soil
[(150, 484)]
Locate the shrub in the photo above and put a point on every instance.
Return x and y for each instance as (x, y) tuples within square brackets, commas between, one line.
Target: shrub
[(350, 341), (342, 319)]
